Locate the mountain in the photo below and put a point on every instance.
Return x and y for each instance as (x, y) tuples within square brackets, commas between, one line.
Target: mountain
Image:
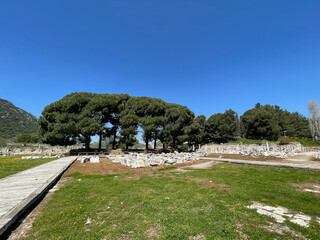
[(14, 120)]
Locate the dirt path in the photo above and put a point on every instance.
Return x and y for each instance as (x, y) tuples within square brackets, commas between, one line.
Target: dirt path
[(300, 158)]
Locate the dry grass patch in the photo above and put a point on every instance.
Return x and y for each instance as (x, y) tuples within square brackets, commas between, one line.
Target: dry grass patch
[(106, 167), (154, 232), (308, 187), (280, 229), (197, 237), (206, 182)]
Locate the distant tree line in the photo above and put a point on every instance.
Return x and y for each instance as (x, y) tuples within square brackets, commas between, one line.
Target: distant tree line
[(79, 116)]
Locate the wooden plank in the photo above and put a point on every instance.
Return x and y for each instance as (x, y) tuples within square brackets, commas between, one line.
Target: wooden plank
[(20, 190)]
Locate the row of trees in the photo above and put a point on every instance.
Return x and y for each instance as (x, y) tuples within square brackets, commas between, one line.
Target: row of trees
[(261, 122), (79, 116)]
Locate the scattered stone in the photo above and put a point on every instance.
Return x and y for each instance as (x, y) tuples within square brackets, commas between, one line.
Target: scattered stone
[(55, 188), (310, 190), (88, 221), (36, 149), (278, 213), (266, 149), (140, 160), (95, 159), (83, 159), (301, 219), (40, 156)]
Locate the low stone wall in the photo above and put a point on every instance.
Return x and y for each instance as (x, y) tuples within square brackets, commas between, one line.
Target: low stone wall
[(265, 149), (35, 149), (138, 160)]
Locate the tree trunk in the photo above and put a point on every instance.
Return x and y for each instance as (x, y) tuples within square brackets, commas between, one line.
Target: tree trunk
[(87, 142), (173, 142), (100, 140), (147, 144), (114, 138), (155, 141)]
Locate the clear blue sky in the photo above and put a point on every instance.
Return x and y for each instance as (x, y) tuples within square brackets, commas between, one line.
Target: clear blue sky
[(207, 55)]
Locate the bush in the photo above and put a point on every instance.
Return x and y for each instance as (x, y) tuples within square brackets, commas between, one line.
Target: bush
[(3, 142), (27, 138), (307, 142), (249, 141), (283, 140)]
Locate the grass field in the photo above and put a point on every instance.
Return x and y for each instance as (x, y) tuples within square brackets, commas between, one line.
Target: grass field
[(198, 204), (13, 164)]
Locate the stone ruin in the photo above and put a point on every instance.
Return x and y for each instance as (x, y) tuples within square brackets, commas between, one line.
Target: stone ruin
[(266, 149), (43, 156), (139, 160), (92, 159), (35, 149)]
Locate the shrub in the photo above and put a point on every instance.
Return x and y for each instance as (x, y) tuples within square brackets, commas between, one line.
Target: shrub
[(307, 142), (283, 140), (3, 142), (27, 138)]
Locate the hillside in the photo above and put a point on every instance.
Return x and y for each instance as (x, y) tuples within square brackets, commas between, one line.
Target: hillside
[(14, 120)]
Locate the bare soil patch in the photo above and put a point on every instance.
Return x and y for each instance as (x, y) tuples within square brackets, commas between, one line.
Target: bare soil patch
[(308, 187), (208, 183), (154, 232), (198, 237), (277, 228), (106, 166), (22, 230)]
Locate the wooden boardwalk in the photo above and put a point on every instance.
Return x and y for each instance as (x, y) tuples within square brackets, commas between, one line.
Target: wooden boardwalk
[(268, 164), (21, 190)]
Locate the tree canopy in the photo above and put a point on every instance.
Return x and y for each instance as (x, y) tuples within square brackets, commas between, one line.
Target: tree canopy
[(222, 127), (269, 122), (121, 118), (79, 116)]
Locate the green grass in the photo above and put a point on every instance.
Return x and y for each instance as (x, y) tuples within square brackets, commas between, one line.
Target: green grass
[(168, 205), (307, 142), (13, 164)]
